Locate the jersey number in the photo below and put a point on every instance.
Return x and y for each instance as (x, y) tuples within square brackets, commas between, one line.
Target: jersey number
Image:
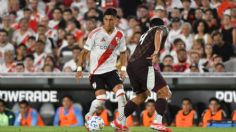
[(142, 38)]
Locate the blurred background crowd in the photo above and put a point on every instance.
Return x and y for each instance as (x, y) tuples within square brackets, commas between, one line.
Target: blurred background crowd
[(48, 35)]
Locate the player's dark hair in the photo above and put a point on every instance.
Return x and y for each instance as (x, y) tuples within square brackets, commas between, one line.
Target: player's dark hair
[(156, 22), (68, 96), (24, 102), (187, 99), (3, 102), (4, 31), (214, 99), (110, 11)]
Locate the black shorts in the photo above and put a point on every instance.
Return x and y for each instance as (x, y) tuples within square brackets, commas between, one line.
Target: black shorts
[(138, 74), (105, 81)]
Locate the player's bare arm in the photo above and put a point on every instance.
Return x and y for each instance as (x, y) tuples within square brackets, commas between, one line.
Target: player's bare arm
[(123, 61), (82, 58), (157, 43)]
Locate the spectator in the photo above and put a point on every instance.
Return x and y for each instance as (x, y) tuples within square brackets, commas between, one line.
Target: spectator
[(167, 68), (148, 115), (78, 34), (22, 34), (228, 32), (219, 67), (186, 35), (195, 61), (6, 25), (167, 60), (175, 13), (57, 16), (39, 54), (213, 113), (187, 116), (27, 116), (104, 114), (81, 5), (178, 45), (31, 44), (174, 32), (4, 44), (212, 23), (182, 64), (72, 64), (134, 41), (67, 114), (201, 31), (7, 117), (9, 65), (199, 46), (20, 67), (208, 56), (206, 5), (221, 48), (193, 68), (29, 63), (47, 68), (91, 4), (20, 53), (67, 50), (49, 60), (143, 17), (198, 15), (187, 12), (132, 23)]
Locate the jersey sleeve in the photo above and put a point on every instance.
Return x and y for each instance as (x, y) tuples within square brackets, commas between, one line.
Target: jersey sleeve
[(122, 45), (90, 42)]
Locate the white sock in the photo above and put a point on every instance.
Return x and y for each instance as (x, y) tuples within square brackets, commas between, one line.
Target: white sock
[(158, 118), (98, 102), (120, 96)]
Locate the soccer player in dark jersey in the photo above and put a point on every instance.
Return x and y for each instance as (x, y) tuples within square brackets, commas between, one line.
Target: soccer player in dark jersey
[(144, 78)]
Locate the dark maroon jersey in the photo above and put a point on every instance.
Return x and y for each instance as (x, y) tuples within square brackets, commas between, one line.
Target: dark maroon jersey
[(146, 45)]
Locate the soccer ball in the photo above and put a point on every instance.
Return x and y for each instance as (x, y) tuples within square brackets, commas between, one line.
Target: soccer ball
[(95, 123)]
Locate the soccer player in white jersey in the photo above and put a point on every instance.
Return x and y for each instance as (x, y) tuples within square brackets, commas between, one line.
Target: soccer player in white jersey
[(105, 43)]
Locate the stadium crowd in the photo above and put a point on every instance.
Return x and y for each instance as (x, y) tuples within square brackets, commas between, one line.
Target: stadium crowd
[(48, 35), (70, 114)]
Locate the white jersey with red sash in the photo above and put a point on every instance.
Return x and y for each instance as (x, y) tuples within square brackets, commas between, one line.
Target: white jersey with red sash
[(104, 49), (20, 38)]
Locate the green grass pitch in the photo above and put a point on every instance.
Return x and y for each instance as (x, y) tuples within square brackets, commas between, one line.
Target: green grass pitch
[(108, 129)]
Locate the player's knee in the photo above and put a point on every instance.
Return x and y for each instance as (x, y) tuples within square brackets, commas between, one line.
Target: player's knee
[(120, 92), (100, 100), (164, 93)]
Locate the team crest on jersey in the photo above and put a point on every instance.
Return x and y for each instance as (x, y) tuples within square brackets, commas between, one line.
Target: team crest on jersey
[(94, 85)]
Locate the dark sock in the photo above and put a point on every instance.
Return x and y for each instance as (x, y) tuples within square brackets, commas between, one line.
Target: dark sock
[(129, 108), (161, 106)]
